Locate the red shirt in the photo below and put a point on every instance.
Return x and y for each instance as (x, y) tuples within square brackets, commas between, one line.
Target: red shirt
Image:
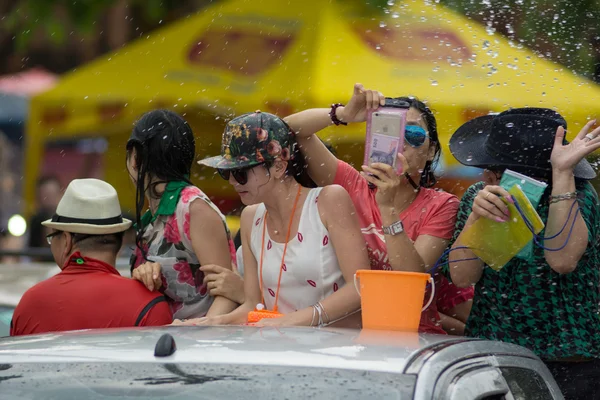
[(431, 213), (88, 294)]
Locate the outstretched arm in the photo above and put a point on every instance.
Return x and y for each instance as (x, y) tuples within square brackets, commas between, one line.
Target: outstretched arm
[(322, 165)]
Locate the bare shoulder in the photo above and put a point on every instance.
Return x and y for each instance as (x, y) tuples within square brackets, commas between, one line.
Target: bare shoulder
[(248, 216), (203, 213), (333, 197)]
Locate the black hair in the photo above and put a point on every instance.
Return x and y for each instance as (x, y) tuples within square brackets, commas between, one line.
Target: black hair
[(112, 242), (165, 149), (48, 179), (428, 178)]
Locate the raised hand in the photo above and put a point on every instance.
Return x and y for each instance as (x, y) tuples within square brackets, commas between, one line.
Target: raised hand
[(565, 157), (362, 101)]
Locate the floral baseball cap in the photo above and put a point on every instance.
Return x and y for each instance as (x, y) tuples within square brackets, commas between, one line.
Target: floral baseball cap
[(252, 139)]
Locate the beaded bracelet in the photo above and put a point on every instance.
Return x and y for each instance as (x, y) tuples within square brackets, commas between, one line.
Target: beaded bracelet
[(333, 116), (564, 196)]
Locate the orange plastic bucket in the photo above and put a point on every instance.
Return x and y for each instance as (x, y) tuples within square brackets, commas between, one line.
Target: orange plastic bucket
[(392, 300)]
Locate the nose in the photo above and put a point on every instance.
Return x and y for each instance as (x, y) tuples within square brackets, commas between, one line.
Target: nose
[(232, 181)]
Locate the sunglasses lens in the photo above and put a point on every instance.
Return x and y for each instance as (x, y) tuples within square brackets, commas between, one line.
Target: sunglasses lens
[(415, 135), (224, 173), (240, 175)]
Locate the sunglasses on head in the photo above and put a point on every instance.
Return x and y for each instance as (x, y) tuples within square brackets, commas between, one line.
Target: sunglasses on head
[(414, 135), (239, 174)]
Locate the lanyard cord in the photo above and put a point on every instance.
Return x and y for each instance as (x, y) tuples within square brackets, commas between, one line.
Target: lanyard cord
[(537, 239), (262, 250)]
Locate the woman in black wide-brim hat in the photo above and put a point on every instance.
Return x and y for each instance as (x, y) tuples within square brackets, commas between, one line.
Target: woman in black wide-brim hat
[(547, 298)]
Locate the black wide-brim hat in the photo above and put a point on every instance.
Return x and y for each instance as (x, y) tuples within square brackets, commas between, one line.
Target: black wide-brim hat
[(520, 139)]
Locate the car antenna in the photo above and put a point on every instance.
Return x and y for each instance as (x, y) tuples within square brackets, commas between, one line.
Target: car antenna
[(165, 346)]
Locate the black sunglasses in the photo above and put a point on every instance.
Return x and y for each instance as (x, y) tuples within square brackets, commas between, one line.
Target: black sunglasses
[(50, 236), (239, 174)]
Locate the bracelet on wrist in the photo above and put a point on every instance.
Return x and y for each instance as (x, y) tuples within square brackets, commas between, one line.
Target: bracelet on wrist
[(333, 115), (563, 196)]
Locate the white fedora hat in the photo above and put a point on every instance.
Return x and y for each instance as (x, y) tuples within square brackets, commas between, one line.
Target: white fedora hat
[(89, 206)]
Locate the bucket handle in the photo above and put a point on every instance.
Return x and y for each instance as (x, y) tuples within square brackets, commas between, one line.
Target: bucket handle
[(356, 285), (431, 296)]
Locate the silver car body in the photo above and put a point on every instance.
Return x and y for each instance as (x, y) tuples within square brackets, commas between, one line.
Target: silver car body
[(443, 367)]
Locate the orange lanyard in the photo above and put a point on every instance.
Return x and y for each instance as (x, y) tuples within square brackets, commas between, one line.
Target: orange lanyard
[(262, 250)]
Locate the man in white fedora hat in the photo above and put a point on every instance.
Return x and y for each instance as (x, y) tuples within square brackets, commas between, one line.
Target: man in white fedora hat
[(87, 234)]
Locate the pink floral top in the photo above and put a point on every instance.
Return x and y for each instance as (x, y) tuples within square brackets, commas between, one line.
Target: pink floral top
[(167, 241)]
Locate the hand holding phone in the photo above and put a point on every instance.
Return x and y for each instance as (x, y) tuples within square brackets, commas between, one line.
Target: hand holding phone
[(385, 133)]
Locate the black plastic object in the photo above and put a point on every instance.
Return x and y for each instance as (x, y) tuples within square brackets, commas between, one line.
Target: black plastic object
[(395, 103), (165, 346)]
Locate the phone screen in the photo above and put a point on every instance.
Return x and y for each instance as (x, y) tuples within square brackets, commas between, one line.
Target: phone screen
[(385, 138)]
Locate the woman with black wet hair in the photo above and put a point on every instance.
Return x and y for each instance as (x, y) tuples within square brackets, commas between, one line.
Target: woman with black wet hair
[(406, 224), (183, 229)]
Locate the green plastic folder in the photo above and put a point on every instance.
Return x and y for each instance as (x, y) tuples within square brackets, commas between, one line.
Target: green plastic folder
[(495, 243)]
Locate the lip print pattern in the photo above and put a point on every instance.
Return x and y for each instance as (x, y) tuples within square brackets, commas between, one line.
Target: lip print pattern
[(284, 267), (271, 292), (300, 237), (269, 245), (335, 287), (325, 240), (312, 283), (257, 222)]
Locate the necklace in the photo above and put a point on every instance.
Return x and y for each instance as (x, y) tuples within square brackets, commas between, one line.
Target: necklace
[(262, 250)]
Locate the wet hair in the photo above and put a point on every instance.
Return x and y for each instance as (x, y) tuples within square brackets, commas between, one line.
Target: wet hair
[(112, 242), (164, 151), (428, 178)]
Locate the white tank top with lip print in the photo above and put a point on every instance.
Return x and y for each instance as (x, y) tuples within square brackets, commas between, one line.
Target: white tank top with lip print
[(310, 271)]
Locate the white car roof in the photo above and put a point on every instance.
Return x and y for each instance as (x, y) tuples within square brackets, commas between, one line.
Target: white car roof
[(244, 345)]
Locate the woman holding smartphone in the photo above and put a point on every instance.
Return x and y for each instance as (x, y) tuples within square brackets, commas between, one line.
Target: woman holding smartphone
[(407, 225)]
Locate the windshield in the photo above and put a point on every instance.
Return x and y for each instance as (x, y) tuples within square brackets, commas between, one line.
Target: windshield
[(191, 381), (5, 317)]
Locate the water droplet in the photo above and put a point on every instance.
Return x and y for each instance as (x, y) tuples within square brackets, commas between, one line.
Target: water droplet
[(490, 30), (391, 2), (395, 15), (382, 24), (434, 83), (510, 125), (469, 158), (485, 44)]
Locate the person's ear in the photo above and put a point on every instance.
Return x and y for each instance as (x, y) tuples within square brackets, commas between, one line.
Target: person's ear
[(132, 157), (279, 168), (68, 248), (491, 177)]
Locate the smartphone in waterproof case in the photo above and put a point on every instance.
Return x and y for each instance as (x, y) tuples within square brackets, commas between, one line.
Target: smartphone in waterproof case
[(385, 133)]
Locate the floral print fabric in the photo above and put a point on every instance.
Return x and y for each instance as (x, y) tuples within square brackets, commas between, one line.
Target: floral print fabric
[(167, 241)]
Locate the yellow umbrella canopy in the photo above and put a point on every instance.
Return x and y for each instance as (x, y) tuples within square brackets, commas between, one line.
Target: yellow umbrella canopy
[(238, 56)]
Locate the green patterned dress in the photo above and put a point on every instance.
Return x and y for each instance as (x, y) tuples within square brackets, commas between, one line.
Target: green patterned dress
[(529, 304)]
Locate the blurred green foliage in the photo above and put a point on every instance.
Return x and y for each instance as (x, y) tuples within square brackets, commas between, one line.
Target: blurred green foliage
[(561, 30), (28, 16)]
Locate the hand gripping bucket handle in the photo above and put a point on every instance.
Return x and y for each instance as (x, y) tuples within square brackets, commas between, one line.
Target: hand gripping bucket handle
[(431, 296)]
